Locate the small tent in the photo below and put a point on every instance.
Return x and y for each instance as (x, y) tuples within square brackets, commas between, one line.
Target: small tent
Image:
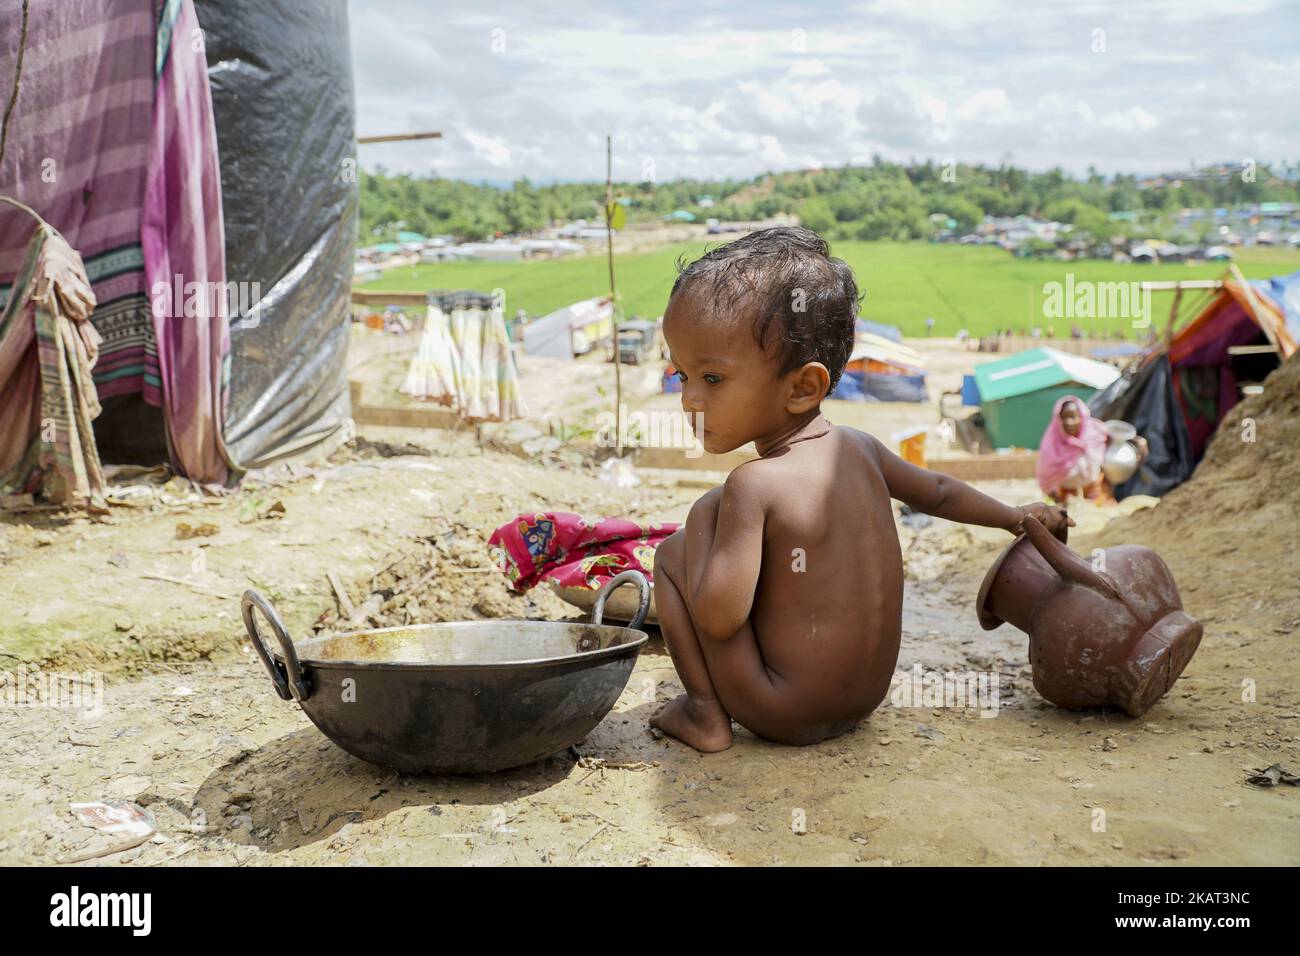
[(1176, 392), (881, 370), (571, 330), (1017, 393)]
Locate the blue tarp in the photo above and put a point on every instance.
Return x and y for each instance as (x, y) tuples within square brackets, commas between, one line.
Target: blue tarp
[(1285, 291), (1103, 352), (849, 388), (874, 387), (884, 331)]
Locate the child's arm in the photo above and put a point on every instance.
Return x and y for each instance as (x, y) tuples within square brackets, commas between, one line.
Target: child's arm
[(724, 554), (945, 497)]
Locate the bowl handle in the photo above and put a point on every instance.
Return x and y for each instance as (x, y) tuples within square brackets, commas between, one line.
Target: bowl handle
[(288, 679), (643, 586)]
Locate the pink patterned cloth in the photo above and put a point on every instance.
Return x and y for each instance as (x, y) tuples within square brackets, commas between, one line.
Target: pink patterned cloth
[(572, 551), (1060, 453), (47, 350), (183, 238)]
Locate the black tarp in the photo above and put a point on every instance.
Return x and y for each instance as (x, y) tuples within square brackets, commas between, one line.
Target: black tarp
[(1146, 400), (281, 78)]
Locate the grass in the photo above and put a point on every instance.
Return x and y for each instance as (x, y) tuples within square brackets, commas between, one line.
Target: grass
[(978, 288)]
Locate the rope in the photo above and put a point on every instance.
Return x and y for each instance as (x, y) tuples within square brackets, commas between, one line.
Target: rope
[(18, 74), (4, 128)]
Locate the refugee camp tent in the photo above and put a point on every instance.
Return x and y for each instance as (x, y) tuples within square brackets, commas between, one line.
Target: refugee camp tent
[(1017, 393), (218, 239), (571, 330), (881, 370), (1176, 393), (489, 251)]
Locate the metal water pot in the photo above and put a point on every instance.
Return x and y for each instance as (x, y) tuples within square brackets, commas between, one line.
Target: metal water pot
[(1121, 459)]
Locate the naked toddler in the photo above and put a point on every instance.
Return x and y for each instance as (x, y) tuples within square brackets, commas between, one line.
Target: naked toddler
[(781, 598)]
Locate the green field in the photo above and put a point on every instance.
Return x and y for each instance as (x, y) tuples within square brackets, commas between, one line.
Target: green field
[(978, 288)]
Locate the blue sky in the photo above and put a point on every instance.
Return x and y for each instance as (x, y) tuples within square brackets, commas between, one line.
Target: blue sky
[(709, 89)]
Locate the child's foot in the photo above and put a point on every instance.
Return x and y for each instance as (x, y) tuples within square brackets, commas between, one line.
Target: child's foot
[(703, 725)]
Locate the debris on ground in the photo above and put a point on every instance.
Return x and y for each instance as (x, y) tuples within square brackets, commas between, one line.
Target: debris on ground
[(1272, 776)]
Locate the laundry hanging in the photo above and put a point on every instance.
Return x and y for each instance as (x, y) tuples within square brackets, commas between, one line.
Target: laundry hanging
[(464, 359), (48, 348)]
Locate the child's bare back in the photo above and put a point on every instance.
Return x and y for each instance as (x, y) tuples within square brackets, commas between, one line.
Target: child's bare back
[(827, 612), (781, 598)]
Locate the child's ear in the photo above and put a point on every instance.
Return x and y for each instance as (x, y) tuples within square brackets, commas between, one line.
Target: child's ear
[(808, 386)]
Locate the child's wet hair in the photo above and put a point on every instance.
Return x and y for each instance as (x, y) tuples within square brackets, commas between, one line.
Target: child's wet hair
[(804, 301)]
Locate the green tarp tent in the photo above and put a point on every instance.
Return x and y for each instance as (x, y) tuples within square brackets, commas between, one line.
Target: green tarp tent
[(1017, 393)]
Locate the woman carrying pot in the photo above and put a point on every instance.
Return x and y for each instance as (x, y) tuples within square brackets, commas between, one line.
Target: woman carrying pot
[(1072, 452)]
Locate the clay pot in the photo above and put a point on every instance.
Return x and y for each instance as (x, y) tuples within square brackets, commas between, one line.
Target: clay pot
[(1116, 637)]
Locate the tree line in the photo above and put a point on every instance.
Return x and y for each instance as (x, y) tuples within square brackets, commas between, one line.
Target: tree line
[(881, 200)]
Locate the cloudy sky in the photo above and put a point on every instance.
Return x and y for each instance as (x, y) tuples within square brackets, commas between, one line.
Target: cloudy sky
[(703, 88)]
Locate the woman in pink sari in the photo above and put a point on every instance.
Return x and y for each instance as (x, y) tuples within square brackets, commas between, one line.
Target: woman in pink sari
[(1071, 454)]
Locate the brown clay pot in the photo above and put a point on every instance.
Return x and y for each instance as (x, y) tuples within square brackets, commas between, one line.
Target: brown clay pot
[(1117, 637)]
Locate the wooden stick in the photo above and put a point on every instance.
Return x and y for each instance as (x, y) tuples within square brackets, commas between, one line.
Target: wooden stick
[(598, 832), (1170, 286), (613, 296), (397, 137), (1256, 307), (1173, 317), (130, 844), (345, 602)]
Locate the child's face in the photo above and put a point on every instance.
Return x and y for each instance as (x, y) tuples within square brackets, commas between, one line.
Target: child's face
[(727, 379)]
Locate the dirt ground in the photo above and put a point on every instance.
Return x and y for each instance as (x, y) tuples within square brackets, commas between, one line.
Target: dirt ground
[(191, 729)]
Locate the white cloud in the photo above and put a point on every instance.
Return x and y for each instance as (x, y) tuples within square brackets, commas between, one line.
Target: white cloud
[(987, 106), (1133, 118), (708, 91), (490, 149)]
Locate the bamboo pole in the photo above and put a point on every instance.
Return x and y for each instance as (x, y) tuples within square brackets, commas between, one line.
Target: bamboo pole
[(613, 297), (1173, 317), (1256, 308), (397, 137), (1170, 286)]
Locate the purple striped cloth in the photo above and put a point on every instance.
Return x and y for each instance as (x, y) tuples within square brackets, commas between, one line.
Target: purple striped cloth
[(78, 154), (112, 141)]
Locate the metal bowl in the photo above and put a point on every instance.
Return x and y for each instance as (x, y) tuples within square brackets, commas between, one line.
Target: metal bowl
[(622, 605), (462, 697)]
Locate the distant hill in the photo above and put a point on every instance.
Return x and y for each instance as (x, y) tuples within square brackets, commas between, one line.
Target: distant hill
[(877, 201)]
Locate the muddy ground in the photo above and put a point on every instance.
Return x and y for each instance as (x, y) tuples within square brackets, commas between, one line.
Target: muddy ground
[(191, 729)]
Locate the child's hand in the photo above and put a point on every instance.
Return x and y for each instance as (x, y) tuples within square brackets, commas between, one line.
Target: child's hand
[(1052, 517)]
